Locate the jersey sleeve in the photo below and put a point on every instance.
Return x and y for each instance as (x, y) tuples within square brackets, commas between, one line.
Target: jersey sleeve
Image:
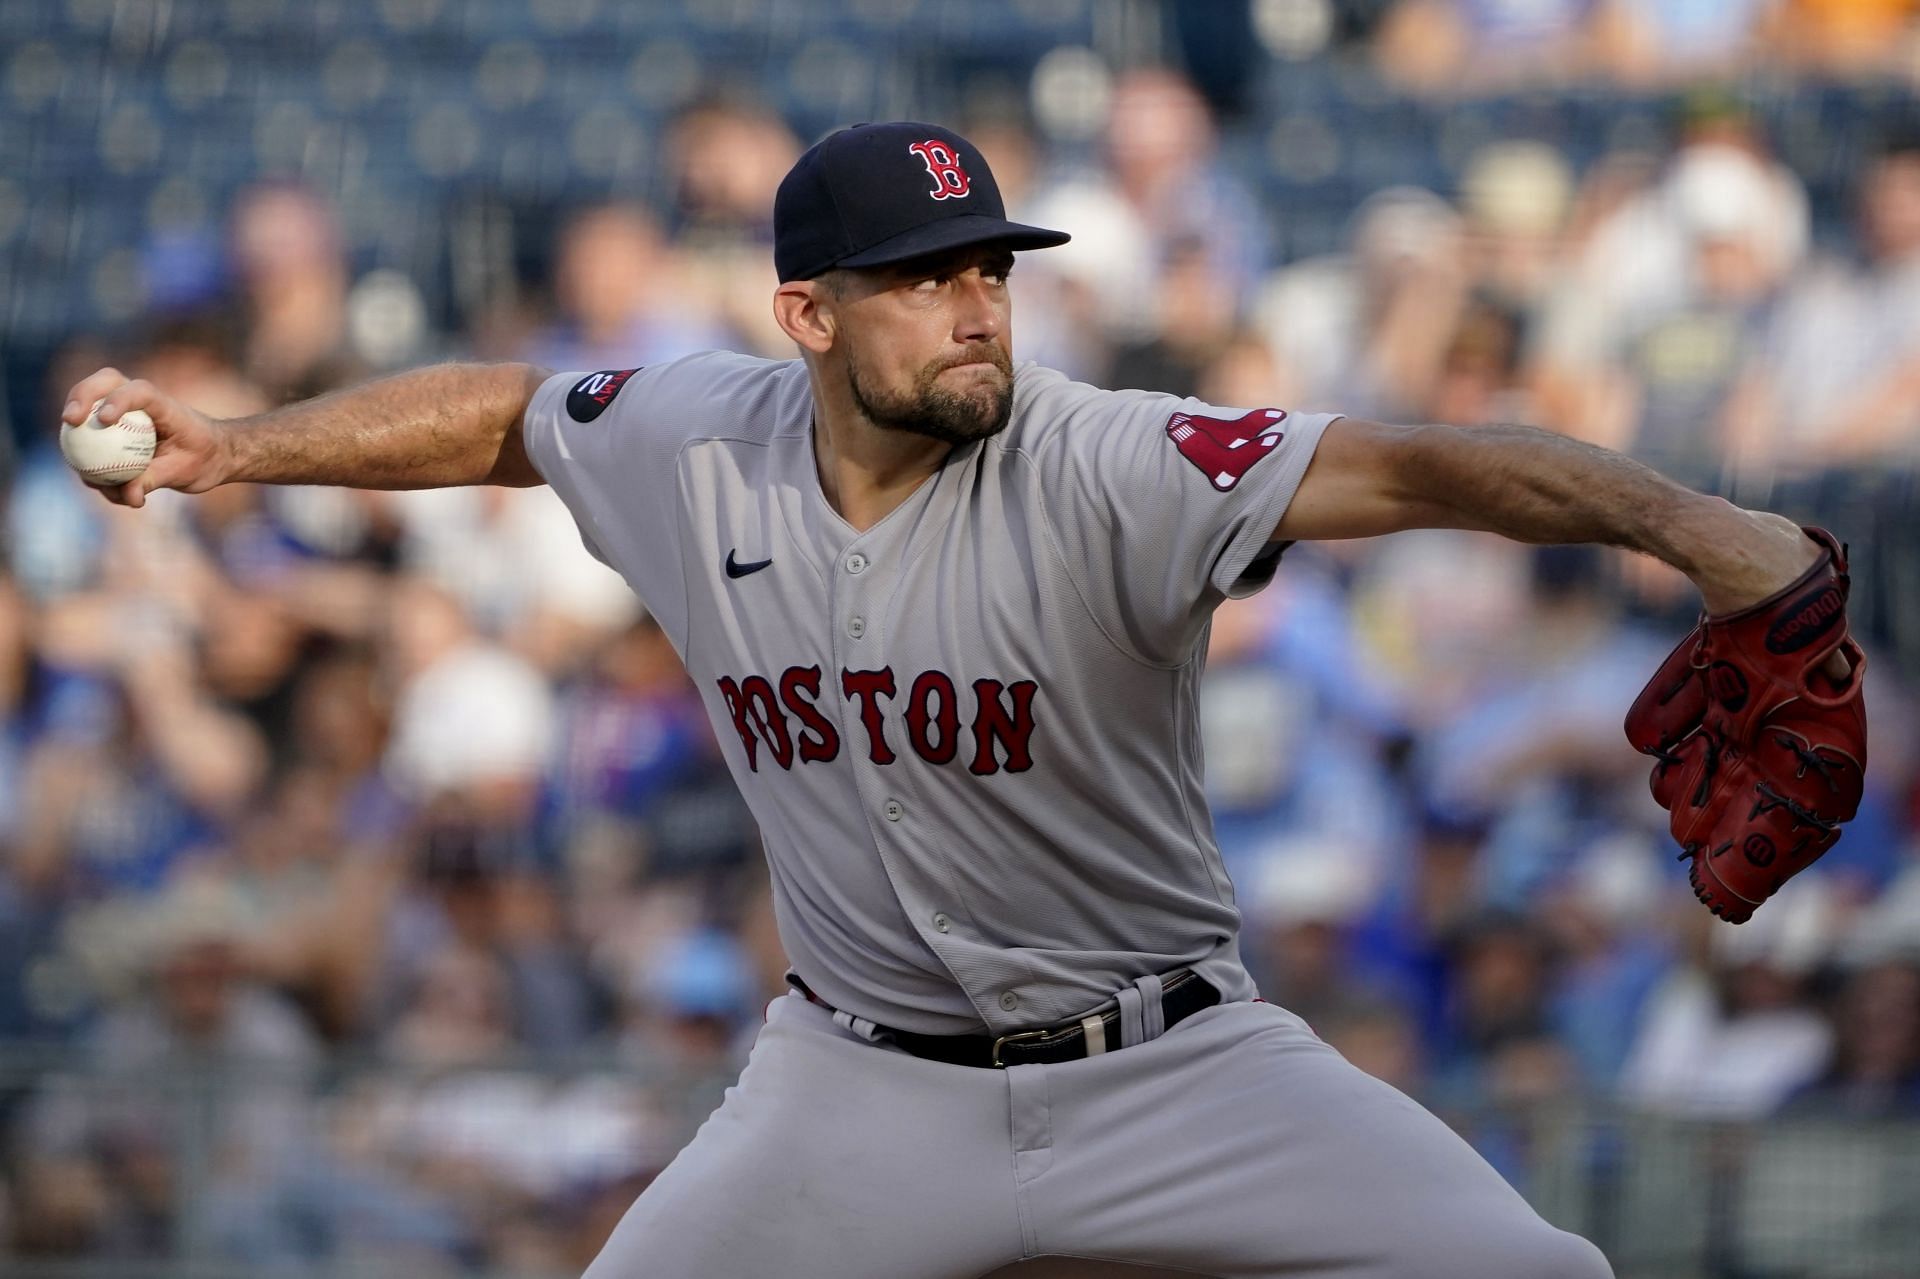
[(1168, 504), (602, 442)]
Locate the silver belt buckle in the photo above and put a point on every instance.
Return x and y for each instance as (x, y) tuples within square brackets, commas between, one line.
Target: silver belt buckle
[(1015, 1038)]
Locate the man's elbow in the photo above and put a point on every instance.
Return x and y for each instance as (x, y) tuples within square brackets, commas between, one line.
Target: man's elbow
[(511, 467), (1366, 479)]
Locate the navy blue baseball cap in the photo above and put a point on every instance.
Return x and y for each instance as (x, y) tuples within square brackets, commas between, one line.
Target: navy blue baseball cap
[(880, 193)]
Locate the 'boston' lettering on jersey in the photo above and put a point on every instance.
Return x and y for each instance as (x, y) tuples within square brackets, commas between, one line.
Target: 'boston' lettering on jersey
[(996, 735)]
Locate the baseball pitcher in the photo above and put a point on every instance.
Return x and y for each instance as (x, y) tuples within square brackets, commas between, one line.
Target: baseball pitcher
[(948, 613)]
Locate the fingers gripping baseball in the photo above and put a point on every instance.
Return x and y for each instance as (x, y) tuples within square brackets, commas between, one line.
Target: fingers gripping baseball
[(187, 444)]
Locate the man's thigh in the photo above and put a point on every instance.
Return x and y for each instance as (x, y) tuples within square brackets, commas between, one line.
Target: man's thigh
[(1241, 1145), (831, 1159)]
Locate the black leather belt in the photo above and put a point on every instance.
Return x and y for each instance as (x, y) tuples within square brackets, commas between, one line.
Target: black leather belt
[(1182, 995)]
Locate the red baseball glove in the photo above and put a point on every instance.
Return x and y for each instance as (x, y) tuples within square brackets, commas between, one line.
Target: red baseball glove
[(1761, 751)]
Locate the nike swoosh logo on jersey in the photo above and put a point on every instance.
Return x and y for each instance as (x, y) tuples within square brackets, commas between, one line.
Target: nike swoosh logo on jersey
[(735, 569)]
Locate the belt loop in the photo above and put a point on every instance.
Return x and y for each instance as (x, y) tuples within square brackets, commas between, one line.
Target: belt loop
[(858, 1025), (1130, 998), (1153, 1013)]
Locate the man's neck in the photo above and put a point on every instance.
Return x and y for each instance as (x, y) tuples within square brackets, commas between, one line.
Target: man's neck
[(867, 471)]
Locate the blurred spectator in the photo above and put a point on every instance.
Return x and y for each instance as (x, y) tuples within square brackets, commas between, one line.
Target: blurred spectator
[(1677, 360), (1477, 382), (1740, 1035), (620, 296), (1301, 908), (326, 867), (687, 1005), (203, 1000), (1161, 154), (137, 726), (458, 1014), (1277, 775), (1609, 915), (1721, 225), (1836, 379), (477, 954), (1842, 37), (1381, 1039), (1435, 617), (1887, 928), (1496, 1041), (18, 680), (635, 737), (1241, 372), (1876, 1060), (54, 531), (724, 159), (1163, 194), (1540, 742), (470, 719), (1658, 41), (1193, 327), (106, 1151), (293, 280), (1438, 45), (1365, 332), (1071, 304), (503, 1145), (193, 357), (1064, 304), (1516, 198), (514, 559)]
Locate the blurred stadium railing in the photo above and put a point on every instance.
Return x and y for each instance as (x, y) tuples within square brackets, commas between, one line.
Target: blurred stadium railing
[(227, 1174)]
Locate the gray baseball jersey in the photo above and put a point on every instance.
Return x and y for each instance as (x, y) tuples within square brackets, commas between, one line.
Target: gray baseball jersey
[(968, 734)]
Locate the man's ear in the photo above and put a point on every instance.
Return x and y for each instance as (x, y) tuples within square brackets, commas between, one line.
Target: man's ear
[(804, 312)]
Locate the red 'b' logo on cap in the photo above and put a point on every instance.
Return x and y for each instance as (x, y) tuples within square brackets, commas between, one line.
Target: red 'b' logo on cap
[(949, 179)]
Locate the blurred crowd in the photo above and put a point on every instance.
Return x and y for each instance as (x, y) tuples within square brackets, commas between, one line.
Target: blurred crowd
[(1439, 44), (1445, 48), (367, 860)]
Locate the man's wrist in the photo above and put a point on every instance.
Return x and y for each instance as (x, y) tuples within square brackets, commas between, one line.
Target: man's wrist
[(1742, 557), (224, 465)]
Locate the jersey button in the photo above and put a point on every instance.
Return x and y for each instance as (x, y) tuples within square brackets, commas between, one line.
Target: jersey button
[(856, 626), (894, 810), (1009, 1001), (856, 563), (941, 923)]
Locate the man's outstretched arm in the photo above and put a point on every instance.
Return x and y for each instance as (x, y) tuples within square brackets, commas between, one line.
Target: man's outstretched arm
[(436, 427), (1535, 486)]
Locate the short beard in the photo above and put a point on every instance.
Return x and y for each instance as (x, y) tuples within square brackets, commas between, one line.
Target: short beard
[(932, 410)]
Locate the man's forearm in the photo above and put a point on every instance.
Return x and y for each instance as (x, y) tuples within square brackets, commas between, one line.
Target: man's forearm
[(1535, 486), (430, 428)]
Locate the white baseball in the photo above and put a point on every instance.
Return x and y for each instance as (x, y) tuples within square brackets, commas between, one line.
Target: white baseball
[(105, 455)]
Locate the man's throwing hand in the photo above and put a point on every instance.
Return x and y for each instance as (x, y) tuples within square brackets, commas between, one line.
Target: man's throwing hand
[(190, 449)]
